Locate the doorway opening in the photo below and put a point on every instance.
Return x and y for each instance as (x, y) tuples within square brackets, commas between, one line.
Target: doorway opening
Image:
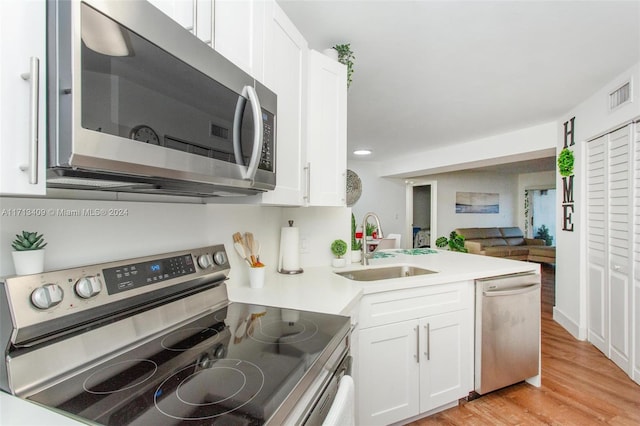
[(540, 211), (421, 208)]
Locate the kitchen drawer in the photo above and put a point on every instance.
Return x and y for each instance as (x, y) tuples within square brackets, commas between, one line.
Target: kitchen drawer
[(393, 306)]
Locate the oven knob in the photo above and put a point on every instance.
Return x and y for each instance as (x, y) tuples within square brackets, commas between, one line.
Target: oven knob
[(205, 360), (205, 261), (87, 287), (220, 258), (47, 296)]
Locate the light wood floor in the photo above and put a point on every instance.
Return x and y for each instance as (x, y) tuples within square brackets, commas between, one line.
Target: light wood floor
[(580, 386)]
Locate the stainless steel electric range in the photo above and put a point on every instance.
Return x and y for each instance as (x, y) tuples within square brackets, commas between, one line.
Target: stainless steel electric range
[(155, 341)]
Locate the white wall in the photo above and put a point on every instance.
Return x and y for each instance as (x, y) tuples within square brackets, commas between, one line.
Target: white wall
[(591, 118), (450, 183), (383, 196), (150, 228)]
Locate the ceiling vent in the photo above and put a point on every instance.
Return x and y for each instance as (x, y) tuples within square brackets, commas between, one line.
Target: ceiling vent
[(620, 96)]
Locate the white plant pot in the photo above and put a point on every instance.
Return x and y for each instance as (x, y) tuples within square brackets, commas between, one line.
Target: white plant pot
[(356, 256), (340, 262), (28, 262)]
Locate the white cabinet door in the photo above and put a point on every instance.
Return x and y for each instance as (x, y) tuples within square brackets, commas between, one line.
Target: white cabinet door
[(446, 350), (239, 33), (22, 98), (195, 16), (388, 373), (285, 68), (326, 131), (181, 11)]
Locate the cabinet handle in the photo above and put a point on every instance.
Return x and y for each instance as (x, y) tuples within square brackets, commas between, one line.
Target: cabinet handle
[(417, 329), (195, 18), (34, 118), (428, 352), (307, 173)]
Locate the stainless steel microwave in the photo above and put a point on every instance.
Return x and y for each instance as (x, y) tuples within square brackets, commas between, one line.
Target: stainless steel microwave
[(136, 103)]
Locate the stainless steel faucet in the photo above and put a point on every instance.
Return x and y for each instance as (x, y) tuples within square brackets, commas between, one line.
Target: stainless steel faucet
[(365, 255)]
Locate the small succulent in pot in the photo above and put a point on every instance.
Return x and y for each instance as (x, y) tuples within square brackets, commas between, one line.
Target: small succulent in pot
[(338, 248), (28, 241)]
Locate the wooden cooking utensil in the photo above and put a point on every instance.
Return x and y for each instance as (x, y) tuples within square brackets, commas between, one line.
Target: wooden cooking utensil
[(248, 236), (240, 247)]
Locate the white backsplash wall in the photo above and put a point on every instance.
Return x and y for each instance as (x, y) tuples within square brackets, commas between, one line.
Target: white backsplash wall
[(318, 227), (144, 228), (383, 196)]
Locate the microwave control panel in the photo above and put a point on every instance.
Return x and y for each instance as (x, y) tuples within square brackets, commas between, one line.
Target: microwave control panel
[(268, 138)]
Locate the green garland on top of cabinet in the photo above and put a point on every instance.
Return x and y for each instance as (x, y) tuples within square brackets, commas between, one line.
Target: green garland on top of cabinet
[(346, 57)]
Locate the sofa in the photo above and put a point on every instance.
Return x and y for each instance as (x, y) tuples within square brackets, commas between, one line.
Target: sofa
[(507, 242)]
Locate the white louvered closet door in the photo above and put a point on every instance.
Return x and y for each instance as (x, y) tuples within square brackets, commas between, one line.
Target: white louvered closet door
[(620, 240), (598, 310), (609, 221), (636, 256)]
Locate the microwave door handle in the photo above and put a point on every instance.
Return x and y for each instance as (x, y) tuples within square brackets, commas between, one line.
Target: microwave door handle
[(249, 171), (237, 127)]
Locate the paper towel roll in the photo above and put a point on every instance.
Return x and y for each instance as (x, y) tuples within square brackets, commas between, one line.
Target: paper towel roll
[(289, 252)]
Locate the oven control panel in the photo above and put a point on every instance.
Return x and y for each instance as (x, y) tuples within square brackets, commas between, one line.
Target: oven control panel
[(135, 275), (39, 298)]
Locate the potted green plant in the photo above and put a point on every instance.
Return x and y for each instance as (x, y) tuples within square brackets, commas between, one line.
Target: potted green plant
[(346, 57), (543, 234), (356, 244), (371, 231), (455, 242), (339, 249), (28, 254)]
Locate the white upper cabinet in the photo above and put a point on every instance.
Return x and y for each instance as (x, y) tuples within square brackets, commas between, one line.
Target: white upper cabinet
[(239, 33), (285, 69), (22, 98), (326, 131), (195, 16)]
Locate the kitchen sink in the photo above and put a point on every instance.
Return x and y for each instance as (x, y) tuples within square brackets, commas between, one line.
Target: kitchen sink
[(387, 273)]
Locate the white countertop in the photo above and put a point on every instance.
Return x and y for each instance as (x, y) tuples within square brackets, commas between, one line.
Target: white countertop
[(317, 289), (18, 412)]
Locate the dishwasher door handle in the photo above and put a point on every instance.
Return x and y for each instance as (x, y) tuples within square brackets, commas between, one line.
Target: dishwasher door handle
[(511, 292)]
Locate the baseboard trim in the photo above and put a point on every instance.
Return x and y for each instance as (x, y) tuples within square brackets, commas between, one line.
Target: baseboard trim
[(568, 324)]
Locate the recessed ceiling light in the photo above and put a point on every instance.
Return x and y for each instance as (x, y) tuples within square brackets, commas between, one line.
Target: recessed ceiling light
[(362, 152)]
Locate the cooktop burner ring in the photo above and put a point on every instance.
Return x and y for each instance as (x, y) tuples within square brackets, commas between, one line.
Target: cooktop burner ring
[(102, 375), (189, 333), (175, 401), (228, 397), (304, 330)]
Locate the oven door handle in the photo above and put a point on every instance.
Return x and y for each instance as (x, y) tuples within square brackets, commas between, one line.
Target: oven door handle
[(248, 172)]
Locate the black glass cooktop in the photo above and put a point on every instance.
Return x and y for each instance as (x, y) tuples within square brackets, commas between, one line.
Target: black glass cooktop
[(233, 367)]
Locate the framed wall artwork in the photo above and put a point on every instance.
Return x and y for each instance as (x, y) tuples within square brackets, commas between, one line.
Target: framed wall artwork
[(477, 202)]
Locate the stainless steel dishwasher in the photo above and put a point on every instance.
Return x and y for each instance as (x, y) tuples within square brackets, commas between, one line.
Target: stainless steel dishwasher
[(507, 330)]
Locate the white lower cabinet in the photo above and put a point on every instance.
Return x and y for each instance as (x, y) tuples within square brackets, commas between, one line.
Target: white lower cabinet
[(411, 367)]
